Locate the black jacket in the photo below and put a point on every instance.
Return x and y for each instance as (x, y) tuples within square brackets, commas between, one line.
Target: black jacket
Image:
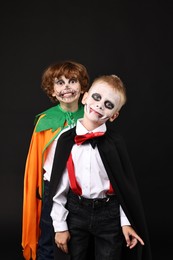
[(115, 158)]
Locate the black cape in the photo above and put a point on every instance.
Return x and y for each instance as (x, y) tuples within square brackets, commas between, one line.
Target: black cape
[(116, 160)]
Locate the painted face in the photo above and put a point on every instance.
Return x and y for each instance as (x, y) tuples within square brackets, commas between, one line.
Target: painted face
[(67, 90), (101, 103)]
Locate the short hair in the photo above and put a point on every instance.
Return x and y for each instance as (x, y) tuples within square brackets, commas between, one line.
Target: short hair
[(116, 83), (67, 68)]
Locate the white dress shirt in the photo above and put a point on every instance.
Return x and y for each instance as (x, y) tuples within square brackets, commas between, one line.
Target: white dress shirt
[(50, 156), (91, 176)]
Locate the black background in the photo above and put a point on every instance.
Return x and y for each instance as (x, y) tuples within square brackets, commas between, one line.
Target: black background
[(132, 39)]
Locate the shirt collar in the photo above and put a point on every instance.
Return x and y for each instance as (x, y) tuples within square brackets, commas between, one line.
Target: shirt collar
[(81, 130)]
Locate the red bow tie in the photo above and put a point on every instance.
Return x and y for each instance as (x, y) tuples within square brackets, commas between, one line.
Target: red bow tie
[(79, 139)]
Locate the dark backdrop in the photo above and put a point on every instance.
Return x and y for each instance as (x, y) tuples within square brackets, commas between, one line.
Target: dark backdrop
[(132, 39)]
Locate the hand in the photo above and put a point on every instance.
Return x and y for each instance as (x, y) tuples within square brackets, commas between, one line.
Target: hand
[(61, 239), (131, 237)]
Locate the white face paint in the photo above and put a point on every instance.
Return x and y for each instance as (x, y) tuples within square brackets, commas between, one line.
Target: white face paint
[(101, 103), (66, 90)]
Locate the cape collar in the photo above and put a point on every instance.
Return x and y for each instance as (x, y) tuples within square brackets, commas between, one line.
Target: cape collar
[(56, 117)]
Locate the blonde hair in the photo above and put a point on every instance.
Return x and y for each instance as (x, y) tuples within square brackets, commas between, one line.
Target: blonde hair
[(116, 83)]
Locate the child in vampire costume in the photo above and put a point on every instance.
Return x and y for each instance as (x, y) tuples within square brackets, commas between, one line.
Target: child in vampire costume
[(93, 188)]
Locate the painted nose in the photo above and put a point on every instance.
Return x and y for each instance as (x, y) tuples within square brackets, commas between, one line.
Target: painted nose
[(99, 106)]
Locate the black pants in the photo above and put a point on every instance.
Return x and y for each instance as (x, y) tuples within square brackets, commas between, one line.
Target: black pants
[(99, 218), (46, 239)]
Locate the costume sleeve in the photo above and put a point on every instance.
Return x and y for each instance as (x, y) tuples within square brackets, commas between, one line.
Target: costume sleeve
[(59, 212)]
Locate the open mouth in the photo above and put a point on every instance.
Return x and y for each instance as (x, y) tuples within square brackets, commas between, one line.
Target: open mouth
[(67, 93)]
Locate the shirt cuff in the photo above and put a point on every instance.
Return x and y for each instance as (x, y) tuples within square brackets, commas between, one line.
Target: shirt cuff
[(123, 218), (124, 221), (61, 226)]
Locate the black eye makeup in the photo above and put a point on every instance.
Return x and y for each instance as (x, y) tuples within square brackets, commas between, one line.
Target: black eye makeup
[(108, 104), (73, 80), (61, 82), (96, 96), (58, 81)]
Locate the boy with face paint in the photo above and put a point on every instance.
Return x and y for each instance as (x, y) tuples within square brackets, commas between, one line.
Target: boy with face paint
[(64, 83), (95, 191)]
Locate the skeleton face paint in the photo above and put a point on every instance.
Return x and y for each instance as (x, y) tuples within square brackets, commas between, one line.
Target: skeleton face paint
[(66, 90), (101, 103)]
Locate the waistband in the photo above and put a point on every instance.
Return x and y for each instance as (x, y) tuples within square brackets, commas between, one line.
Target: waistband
[(93, 203)]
